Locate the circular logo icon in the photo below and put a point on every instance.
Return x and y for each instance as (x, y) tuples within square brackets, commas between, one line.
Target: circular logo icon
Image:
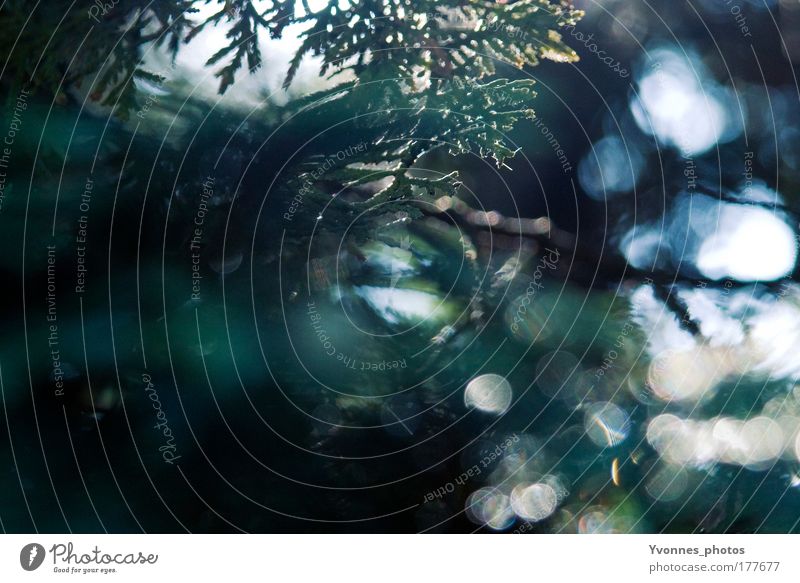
[(31, 556)]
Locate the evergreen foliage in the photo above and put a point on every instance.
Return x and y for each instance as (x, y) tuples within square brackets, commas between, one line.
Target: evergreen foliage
[(416, 76)]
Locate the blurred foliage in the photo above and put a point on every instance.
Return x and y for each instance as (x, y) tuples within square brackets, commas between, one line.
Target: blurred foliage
[(428, 98)]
